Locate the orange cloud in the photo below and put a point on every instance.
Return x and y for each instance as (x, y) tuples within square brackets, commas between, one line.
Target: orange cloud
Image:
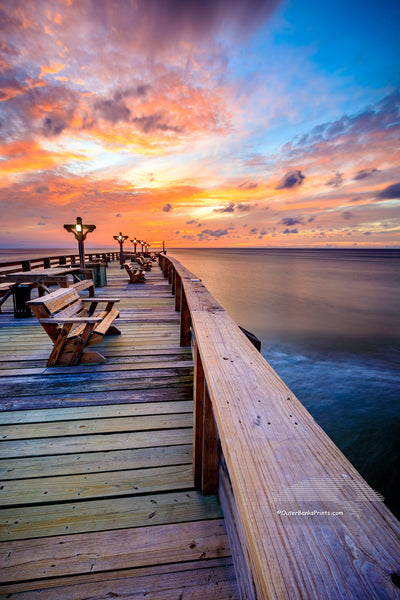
[(51, 69)]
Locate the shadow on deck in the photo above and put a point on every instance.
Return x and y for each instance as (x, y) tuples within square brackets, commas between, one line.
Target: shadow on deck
[(97, 496)]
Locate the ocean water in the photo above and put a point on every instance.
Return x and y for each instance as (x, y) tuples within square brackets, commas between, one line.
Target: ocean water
[(329, 323)]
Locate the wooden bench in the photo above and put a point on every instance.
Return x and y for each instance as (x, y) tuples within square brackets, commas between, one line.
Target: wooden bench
[(144, 263), (5, 292), (135, 275), (83, 284), (72, 323)]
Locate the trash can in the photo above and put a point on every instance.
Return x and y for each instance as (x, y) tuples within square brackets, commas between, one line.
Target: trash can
[(99, 273), (21, 294)]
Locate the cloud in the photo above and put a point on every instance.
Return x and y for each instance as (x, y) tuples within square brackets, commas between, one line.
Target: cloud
[(288, 231), (347, 215), (335, 181), (364, 173), (157, 25), (167, 207), (214, 233), (155, 122), (232, 207), (289, 221), (113, 110), (229, 208), (292, 179), (390, 192), (248, 185)]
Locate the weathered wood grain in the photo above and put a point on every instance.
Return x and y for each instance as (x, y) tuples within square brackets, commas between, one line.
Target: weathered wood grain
[(100, 515), (112, 550), (193, 580), (95, 485), (124, 481), (94, 443), (90, 412), (279, 460), (94, 462), (94, 426)]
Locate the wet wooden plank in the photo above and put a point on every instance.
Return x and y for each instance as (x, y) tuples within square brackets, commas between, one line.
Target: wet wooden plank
[(106, 551), (193, 580), (94, 462), (94, 426), (94, 443), (100, 515), (90, 412), (95, 485)]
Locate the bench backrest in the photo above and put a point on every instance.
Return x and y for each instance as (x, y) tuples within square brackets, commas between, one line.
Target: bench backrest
[(63, 299)]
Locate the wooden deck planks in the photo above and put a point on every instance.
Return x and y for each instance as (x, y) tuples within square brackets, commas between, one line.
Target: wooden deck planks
[(96, 488), (105, 551)]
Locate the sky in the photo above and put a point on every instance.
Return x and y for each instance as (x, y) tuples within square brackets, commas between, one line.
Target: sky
[(203, 123)]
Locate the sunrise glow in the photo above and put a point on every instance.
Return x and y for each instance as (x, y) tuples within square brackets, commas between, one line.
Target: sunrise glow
[(257, 123)]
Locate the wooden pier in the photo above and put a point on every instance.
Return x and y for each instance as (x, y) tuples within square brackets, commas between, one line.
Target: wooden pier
[(182, 468), (97, 495)]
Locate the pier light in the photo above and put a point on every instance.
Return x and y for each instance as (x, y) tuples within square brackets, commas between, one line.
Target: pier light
[(135, 243), (120, 239), (80, 232), (142, 244)]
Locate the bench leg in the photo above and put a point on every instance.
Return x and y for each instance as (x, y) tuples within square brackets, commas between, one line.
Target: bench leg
[(59, 345), (81, 343)]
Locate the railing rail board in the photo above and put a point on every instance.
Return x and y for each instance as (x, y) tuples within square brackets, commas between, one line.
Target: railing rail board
[(50, 261), (278, 458)]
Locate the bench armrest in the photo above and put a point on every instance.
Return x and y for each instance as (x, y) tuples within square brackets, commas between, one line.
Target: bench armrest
[(71, 320)]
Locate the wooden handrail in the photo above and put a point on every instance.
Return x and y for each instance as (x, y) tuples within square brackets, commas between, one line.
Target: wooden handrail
[(280, 478), (51, 261)]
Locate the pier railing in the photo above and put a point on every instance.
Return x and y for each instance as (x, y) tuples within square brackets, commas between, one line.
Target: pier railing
[(302, 522), (47, 262)]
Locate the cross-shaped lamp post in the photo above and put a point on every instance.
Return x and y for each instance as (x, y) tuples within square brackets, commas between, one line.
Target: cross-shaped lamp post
[(134, 242), (80, 232), (121, 238)]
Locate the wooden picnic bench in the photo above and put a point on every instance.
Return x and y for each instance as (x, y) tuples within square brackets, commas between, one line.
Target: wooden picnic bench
[(144, 263), (72, 323), (5, 292), (135, 275)]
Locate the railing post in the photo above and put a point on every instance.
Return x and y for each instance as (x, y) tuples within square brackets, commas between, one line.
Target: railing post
[(165, 268), (205, 437), (209, 480), (26, 265), (185, 320), (178, 291), (173, 278), (198, 409)]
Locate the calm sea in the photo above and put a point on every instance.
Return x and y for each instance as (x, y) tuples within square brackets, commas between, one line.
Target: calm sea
[(329, 323)]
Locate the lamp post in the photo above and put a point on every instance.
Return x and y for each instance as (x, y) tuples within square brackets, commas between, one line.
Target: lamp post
[(120, 239), (80, 232), (142, 243), (134, 242)]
